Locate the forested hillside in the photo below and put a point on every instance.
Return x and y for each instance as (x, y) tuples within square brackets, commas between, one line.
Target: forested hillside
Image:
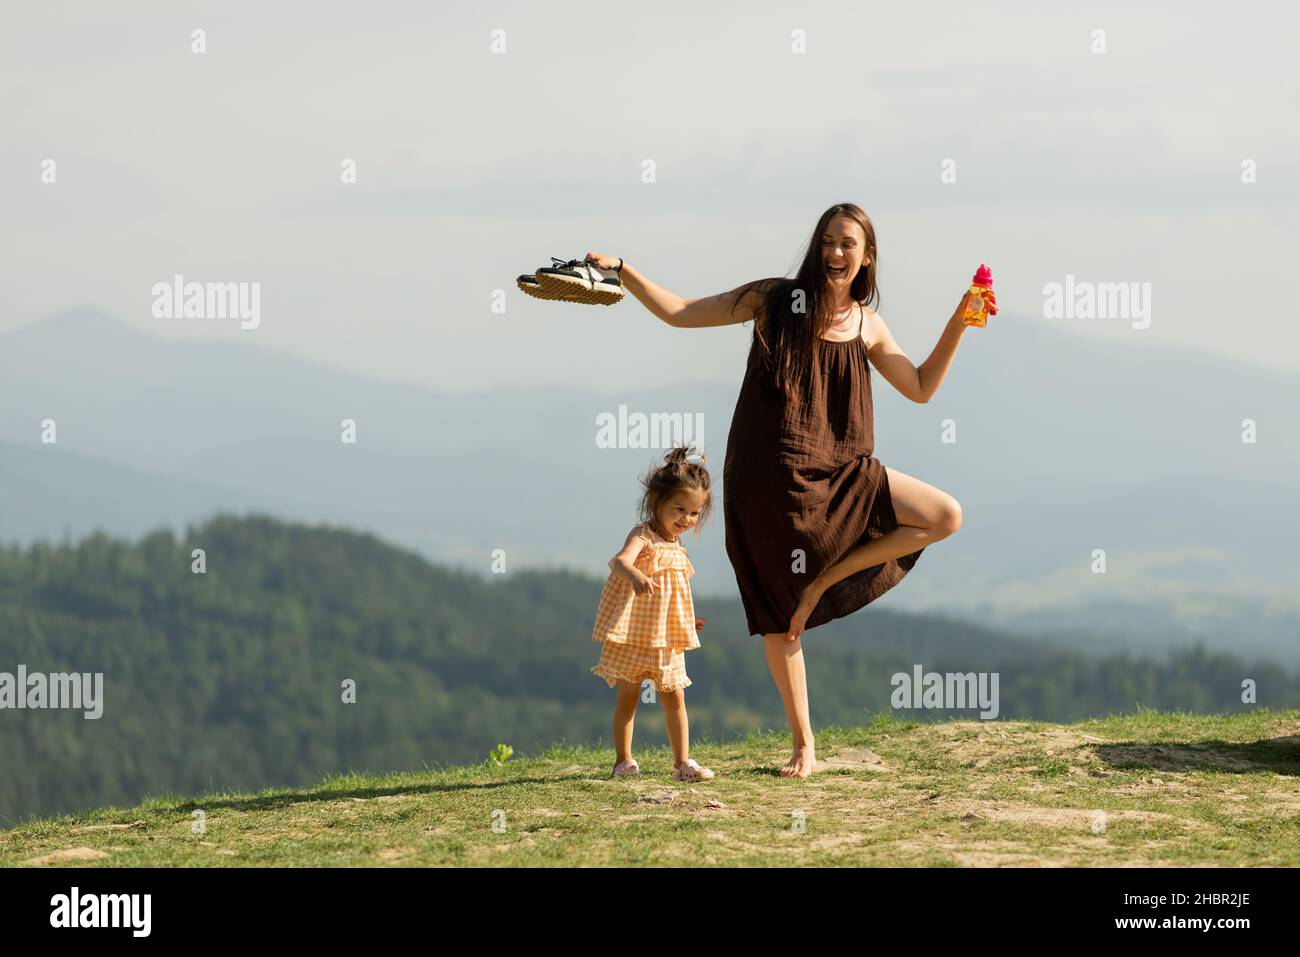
[(235, 678)]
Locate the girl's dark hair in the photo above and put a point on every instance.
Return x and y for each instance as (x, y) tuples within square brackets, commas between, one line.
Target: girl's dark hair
[(788, 337), (675, 475)]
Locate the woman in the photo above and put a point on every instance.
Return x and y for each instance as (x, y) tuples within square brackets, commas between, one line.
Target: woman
[(816, 527)]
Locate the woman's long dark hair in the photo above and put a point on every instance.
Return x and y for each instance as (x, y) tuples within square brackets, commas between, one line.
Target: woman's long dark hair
[(792, 315)]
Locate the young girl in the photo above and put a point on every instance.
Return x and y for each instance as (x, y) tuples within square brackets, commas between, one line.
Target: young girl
[(646, 618)]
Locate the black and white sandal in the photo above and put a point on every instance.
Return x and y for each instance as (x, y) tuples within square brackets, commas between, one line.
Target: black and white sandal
[(580, 281)]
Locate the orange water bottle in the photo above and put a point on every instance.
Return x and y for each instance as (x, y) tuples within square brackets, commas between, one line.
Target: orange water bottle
[(977, 312)]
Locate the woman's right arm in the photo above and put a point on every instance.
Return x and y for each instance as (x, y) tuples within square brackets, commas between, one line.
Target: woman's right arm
[(677, 311)]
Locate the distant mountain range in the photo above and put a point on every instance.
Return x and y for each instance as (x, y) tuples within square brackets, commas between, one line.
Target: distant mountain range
[(1064, 445)]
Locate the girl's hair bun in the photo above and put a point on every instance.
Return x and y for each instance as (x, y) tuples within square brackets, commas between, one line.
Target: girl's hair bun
[(681, 455)]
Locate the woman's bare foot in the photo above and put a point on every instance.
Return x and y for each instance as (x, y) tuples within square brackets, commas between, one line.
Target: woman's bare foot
[(801, 763), (808, 600)]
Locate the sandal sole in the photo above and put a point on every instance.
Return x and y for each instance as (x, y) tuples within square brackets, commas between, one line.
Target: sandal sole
[(576, 290), (537, 292)]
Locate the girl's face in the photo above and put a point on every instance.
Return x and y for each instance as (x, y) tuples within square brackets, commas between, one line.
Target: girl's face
[(843, 251), (680, 511)]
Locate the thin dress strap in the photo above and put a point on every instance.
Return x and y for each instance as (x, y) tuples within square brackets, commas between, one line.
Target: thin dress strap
[(862, 317)]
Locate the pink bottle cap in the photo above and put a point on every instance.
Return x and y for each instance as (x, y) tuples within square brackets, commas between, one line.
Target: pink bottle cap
[(983, 276)]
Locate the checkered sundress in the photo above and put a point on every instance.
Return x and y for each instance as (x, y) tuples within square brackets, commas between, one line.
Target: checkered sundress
[(643, 636)]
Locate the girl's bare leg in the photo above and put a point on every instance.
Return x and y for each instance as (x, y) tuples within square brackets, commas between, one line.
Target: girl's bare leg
[(785, 661), (925, 515), (625, 701), (676, 724)]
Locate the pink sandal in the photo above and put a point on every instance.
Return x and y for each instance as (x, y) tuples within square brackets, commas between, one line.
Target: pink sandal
[(689, 770), (627, 769)]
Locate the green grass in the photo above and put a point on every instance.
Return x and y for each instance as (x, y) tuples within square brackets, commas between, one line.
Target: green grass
[(1141, 789)]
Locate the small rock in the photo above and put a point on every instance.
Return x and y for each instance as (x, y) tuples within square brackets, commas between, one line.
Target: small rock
[(108, 827), (715, 804), (853, 758), (659, 797), (68, 854)]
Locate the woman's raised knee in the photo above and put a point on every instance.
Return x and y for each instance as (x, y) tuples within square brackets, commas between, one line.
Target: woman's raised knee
[(949, 518)]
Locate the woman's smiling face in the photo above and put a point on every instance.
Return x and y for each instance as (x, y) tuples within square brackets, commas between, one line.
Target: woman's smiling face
[(843, 249)]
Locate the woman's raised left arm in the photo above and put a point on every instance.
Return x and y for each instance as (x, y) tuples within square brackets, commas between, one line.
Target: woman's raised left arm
[(920, 383)]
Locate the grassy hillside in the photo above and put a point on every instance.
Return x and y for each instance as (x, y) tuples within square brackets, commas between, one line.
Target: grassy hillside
[(1146, 789)]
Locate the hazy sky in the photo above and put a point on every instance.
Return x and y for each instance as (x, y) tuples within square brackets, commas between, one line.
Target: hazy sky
[(475, 166)]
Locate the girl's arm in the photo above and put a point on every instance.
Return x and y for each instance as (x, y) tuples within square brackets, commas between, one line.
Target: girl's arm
[(621, 564), (675, 310), (919, 383)]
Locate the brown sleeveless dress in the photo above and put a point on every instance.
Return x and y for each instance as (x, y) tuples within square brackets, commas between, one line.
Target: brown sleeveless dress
[(804, 479)]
